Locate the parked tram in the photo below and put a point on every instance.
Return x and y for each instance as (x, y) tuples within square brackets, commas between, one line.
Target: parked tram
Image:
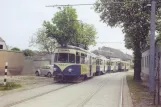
[(123, 66), (101, 65), (73, 63)]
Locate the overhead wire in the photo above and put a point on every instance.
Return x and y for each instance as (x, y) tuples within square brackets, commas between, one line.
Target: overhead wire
[(113, 2)]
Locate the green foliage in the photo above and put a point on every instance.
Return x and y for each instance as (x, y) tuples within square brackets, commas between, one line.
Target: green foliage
[(28, 52), (9, 86), (134, 19), (63, 26), (44, 43), (16, 49), (67, 29)]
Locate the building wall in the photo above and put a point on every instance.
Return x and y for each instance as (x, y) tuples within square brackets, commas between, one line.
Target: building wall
[(15, 62), (145, 64), (4, 45), (31, 65)]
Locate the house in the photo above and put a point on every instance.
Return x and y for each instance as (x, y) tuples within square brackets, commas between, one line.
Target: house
[(2, 44)]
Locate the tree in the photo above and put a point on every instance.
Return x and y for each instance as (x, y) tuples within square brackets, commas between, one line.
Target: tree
[(64, 25), (134, 19), (67, 29), (16, 49), (86, 36), (43, 42), (28, 52)]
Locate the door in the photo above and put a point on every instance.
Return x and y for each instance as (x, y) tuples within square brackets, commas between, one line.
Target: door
[(90, 66)]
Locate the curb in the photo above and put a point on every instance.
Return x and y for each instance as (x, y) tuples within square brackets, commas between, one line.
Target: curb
[(127, 100)]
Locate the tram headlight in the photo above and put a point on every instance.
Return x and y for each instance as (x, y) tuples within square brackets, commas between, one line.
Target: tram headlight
[(70, 70), (54, 69)]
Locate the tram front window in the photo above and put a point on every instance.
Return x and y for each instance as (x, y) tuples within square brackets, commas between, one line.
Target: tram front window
[(61, 57), (64, 58), (71, 58)]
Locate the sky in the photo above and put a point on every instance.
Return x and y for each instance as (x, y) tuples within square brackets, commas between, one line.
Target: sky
[(20, 19)]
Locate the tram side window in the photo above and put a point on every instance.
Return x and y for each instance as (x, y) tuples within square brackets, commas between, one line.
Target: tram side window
[(71, 58), (77, 58), (56, 57), (101, 62), (97, 62), (143, 61), (83, 57), (93, 60), (87, 59)]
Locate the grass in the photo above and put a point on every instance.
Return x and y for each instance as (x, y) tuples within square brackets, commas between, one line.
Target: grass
[(9, 86), (139, 93)]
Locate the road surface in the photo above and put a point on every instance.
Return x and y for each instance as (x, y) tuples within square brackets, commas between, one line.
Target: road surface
[(100, 91)]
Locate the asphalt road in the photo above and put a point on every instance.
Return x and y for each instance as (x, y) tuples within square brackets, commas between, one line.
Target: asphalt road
[(100, 91)]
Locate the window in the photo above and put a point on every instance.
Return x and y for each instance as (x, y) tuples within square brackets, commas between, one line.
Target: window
[(77, 57), (97, 62), (101, 62), (43, 67), (71, 58), (1, 46), (142, 62), (83, 58), (63, 58), (47, 67), (56, 57), (93, 60)]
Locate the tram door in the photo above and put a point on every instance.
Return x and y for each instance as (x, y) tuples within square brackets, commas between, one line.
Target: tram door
[(90, 65)]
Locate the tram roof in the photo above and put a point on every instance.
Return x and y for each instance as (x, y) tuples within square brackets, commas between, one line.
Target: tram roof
[(71, 47), (76, 48)]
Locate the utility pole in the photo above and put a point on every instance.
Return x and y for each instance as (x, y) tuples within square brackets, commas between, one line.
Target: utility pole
[(152, 47)]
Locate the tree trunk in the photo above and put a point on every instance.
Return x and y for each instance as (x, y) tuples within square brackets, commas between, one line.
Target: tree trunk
[(137, 62)]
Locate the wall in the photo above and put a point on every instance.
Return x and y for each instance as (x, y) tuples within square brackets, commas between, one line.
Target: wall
[(28, 66), (145, 65), (15, 62), (31, 65)]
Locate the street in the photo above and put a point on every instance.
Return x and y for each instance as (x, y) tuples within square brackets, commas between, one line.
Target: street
[(101, 91)]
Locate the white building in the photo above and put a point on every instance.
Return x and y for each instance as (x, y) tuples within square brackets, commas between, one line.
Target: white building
[(2, 44)]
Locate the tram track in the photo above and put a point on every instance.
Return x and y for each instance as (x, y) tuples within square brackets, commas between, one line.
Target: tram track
[(99, 88), (39, 95), (79, 101), (92, 94)]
